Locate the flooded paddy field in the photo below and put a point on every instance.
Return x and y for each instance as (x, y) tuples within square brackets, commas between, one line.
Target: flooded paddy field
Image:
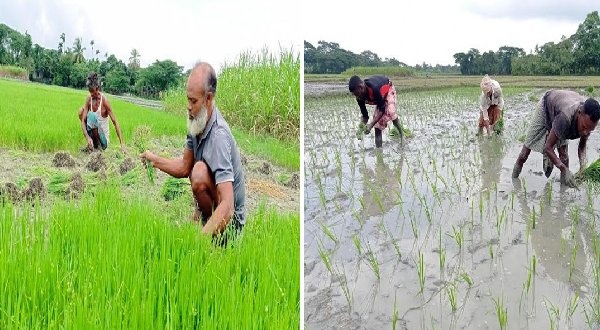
[(434, 233)]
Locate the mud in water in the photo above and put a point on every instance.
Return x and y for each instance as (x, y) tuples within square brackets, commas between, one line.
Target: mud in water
[(445, 194)]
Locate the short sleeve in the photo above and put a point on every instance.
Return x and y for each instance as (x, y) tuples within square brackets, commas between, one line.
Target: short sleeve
[(189, 143), (560, 126), (220, 158)]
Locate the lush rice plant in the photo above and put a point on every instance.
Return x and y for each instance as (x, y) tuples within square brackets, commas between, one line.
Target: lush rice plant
[(115, 262)]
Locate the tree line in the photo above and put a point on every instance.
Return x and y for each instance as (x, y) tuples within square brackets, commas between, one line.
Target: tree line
[(578, 54), (68, 66), (329, 57)]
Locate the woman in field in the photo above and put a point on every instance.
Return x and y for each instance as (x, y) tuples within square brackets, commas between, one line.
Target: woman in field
[(94, 117), (491, 103), (378, 91)]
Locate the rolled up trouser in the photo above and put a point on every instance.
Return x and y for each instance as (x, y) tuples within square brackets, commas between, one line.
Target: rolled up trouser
[(92, 122)]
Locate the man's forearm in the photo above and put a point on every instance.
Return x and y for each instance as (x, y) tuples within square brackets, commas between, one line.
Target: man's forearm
[(173, 167), (378, 118), (554, 158), (84, 129), (220, 218)]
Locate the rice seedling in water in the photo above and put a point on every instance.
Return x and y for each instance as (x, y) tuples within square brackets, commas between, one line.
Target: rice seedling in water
[(356, 241), (573, 305), (324, 256), (357, 217), (442, 252), (395, 316), (501, 312), (345, 288), (466, 278), (524, 187), (413, 222), (458, 236), (373, 264), (396, 247), (328, 232), (572, 265), (533, 218), (491, 250), (553, 313), (451, 292), (421, 271)]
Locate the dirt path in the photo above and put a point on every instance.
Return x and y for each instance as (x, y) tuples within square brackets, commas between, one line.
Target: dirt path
[(152, 104)]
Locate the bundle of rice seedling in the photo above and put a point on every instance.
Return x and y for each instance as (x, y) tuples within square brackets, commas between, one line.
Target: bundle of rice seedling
[(394, 132), (591, 173), (141, 136), (361, 130), (173, 188), (499, 127)]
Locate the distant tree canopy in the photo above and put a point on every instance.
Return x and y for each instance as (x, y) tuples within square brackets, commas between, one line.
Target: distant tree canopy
[(68, 66), (328, 57), (579, 54)]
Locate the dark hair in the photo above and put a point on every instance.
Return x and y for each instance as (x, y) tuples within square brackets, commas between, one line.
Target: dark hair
[(92, 81), (355, 81), (211, 82), (592, 108)]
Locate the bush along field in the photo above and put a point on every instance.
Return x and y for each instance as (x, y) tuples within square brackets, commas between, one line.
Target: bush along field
[(434, 233), (97, 241)]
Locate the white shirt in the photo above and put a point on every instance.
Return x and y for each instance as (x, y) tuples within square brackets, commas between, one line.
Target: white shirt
[(485, 102)]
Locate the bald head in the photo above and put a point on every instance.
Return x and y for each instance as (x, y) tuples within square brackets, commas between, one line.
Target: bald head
[(203, 78)]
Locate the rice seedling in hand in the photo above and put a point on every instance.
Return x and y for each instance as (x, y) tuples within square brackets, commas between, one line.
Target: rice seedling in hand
[(141, 138)]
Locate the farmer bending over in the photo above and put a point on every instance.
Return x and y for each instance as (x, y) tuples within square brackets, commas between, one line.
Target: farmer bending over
[(378, 91), (210, 158), (491, 103), (559, 116), (94, 117)]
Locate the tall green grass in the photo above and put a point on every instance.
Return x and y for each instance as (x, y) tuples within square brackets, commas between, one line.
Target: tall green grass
[(13, 72), (259, 92), (389, 71), (114, 262)]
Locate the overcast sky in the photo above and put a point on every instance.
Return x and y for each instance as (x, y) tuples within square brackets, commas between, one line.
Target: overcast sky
[(181, 30), (433, 31)]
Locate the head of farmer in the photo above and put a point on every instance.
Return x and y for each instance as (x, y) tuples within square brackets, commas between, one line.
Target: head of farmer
[(211, 159), (491, 103), (558, 117), (94, 117), (380, 92)]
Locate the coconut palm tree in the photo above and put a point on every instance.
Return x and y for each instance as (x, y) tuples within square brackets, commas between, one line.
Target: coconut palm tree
[(92, 44), (134, 60), (78, 51)]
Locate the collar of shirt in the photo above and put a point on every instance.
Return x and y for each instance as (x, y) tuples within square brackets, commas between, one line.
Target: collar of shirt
[(211, 122)]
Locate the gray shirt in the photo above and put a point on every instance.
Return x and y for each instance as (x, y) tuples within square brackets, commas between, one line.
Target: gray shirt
[(561, 109), (217, 148)]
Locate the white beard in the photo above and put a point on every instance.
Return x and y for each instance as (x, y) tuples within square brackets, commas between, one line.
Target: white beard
[(197, 125)]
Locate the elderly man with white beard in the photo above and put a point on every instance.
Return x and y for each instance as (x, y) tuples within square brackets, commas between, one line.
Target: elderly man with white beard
[(211, 159)]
